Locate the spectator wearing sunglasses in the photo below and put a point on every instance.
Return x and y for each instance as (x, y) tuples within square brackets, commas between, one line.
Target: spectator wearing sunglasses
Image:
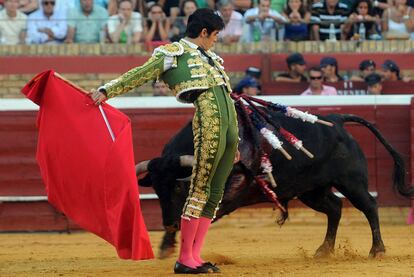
[(315, 84), (46, 25)]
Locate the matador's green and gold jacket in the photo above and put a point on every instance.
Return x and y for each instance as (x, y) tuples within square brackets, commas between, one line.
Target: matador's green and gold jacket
[(181, 66)]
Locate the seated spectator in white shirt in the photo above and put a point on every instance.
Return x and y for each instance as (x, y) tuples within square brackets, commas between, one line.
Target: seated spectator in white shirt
[(315, 84), (262, 23), (86, 23), (45, 25), (126, 26), (12, 23), (233, 22)]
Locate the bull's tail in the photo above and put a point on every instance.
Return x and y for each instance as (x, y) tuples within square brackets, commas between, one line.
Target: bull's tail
[(399, 165)]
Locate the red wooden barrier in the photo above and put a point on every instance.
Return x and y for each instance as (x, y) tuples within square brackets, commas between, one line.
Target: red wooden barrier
[(19, 173)]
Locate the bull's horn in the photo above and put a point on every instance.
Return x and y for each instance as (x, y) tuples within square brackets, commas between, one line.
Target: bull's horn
[(187, 160), (141, 167)]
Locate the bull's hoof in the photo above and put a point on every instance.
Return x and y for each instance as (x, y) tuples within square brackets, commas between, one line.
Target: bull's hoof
[(324, 251), (166, 253), (376, 254)]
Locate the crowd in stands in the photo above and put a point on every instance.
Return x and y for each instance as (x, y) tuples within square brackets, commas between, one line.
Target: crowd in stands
[(158, 22)]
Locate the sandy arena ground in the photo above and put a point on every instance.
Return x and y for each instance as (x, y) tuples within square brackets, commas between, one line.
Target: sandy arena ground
[(240, 250)]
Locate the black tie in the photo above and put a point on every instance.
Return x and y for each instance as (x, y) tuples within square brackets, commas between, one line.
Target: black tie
[(204, 53)]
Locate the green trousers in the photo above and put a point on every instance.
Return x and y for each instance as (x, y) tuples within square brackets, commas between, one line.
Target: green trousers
[(215, 144)]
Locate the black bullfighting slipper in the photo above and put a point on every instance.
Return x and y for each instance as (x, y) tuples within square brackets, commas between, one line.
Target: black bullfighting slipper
[(211, 267), (180, 268)]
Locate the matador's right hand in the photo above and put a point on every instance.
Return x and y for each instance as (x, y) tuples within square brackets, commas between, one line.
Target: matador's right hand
[(97, 96)]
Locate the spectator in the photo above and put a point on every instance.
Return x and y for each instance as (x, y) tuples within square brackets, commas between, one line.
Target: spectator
[(326, 15), (159, 88), (374, 85), (329, 66), (137, 6), (233, 22), (398, 21), (157, 26), (254, 72), (361, 23), (262, 22), (28, 6), (296, 69), (46, 25), (391, 72), (315, 84), (298, 18), (366, 67), (180, 24), (87, 23), (126, 26), (247, 86), (12, 24)]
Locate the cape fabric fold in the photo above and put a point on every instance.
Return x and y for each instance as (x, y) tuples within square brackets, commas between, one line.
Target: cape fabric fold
[(89, 177)]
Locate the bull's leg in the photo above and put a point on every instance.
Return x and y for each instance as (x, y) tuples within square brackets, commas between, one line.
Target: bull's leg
[(363, 201), (324, 201)]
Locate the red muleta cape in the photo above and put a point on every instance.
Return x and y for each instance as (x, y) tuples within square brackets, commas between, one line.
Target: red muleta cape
[(89, 177)]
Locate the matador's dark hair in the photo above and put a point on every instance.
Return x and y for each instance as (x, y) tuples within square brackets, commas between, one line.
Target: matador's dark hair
[(203, 18)]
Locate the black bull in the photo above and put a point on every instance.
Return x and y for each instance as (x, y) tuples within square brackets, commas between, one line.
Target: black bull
[(339, 162)]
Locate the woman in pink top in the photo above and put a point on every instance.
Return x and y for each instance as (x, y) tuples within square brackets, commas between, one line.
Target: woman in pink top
[(315, 85)]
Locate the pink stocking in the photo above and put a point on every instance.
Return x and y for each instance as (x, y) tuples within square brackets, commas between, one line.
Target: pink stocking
[(188, 232), (199, 238)]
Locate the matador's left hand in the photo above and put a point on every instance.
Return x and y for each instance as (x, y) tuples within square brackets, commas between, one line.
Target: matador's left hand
[(97, 96)]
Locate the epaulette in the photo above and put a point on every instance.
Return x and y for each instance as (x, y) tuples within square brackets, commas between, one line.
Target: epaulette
[(172, 49)]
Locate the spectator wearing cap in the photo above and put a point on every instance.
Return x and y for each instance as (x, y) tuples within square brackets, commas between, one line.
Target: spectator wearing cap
[(12, 24), (233, 22), (46, 25), (315, 84), (296, 69), (87, 23), (374, 85), (391, 71), (248, 86), (254, 72), (366, 67), (329, 66)]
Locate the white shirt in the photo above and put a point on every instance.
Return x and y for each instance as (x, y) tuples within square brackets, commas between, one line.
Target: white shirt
[(134, 25), (266, 26), (234, 27), (37, 20), (11, 27)]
